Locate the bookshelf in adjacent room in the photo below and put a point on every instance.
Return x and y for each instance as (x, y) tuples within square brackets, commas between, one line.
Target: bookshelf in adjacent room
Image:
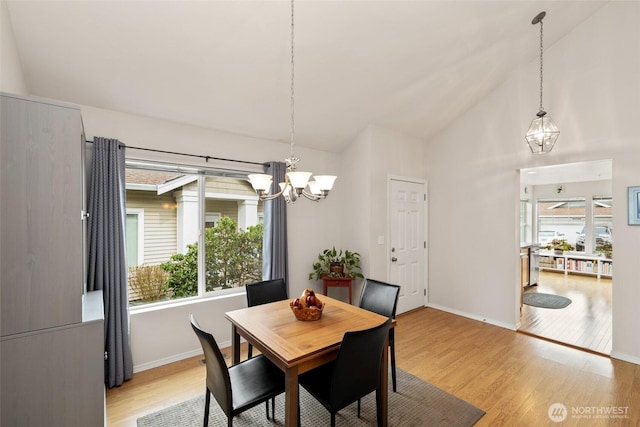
[(570, 262)]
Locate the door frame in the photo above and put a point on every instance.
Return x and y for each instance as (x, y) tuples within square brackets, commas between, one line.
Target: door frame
[(425, 230)]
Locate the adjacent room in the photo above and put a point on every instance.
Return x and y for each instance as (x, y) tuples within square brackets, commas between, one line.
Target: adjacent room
[(567, 254), (210, 209)]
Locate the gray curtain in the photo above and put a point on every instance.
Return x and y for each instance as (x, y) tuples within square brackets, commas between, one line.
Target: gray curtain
[(106, 260), (274, 246)]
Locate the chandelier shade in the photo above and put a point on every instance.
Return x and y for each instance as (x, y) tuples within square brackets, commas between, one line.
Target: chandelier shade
[(325, 182), (298, 180), (261, 182)]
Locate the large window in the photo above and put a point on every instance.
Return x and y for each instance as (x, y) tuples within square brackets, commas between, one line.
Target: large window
[(190, 234)]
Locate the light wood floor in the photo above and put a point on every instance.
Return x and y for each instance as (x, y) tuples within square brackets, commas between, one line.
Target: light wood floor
[(585, 323), (512, 376)]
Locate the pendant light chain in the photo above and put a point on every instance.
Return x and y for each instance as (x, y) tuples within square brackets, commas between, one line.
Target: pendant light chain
[(292, 159), (541, 51)]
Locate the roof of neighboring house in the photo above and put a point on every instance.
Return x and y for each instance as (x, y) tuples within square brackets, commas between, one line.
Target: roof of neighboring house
[(135, 176), (163, 182)]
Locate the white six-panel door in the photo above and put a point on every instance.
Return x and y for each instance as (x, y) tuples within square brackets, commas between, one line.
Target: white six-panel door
[(407, 241)]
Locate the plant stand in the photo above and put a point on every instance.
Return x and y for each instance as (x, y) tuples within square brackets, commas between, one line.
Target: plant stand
[(338, 282)]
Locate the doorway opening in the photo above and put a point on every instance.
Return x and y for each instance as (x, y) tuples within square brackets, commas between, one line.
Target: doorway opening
[(565, 224)]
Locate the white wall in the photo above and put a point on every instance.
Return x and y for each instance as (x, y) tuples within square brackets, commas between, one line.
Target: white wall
[(395, 154), (11, 77), (592, 91), (367, 163), (355, 206)]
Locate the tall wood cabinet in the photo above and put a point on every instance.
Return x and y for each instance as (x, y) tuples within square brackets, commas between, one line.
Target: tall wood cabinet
[(51, 330)]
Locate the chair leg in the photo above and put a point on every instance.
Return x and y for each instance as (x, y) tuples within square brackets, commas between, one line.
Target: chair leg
[(207, 400), (249, 351), (393, 366), (273, 408), (378, 408), (333, 419), (358, 408)]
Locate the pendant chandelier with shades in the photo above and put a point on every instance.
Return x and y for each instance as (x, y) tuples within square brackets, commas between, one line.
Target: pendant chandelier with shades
[(296, 182), (543, 132)]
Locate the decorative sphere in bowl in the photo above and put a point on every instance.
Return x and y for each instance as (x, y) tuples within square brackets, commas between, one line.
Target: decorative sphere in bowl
[(308, 306)]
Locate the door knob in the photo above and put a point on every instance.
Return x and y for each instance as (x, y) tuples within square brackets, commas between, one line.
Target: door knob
[(394, 259)]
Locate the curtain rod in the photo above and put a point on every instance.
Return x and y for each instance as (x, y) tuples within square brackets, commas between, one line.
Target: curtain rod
[(206, 158)]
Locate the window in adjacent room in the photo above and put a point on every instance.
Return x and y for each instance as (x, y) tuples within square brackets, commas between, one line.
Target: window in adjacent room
[(560, 218), (602, 225)]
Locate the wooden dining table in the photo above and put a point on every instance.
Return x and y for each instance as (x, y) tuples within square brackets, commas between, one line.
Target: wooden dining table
[(298, 346)]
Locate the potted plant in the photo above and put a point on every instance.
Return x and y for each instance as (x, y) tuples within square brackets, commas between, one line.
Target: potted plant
[(336, 263), (560, 245)]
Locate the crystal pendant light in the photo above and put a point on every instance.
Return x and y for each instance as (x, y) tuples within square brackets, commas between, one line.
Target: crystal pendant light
[(543, 132)]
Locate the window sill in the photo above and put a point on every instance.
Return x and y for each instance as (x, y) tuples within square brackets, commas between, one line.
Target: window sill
[(163, 305)]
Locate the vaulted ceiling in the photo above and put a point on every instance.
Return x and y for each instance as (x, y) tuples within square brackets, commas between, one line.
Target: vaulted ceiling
[(413, 66)]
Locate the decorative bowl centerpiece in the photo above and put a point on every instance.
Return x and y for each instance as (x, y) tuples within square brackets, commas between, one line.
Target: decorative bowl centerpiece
[(308, 306)]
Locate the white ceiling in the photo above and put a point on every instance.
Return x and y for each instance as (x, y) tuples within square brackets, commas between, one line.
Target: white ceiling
[(413, 66)]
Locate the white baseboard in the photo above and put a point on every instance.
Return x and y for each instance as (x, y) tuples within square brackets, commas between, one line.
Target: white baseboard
[(174, 358), (165, 361), (511, 327), (518, 325), (625, 357)]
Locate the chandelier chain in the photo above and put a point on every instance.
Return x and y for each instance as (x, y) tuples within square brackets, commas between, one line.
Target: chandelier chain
[(541, 50), (292, 159)]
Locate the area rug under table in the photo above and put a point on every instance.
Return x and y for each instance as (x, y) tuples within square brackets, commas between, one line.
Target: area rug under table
[(539, 299), (417, 403)]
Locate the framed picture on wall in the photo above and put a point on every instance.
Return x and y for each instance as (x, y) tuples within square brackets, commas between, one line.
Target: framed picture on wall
[(634, 205)]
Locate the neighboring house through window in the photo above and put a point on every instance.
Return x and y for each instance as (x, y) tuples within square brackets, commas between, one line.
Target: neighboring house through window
[(135, 237), (171, 215)]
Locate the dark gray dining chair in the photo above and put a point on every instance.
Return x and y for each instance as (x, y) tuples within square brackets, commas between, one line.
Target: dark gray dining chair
[(264, 292), (353, 374), (241, 386), (382, 298)]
